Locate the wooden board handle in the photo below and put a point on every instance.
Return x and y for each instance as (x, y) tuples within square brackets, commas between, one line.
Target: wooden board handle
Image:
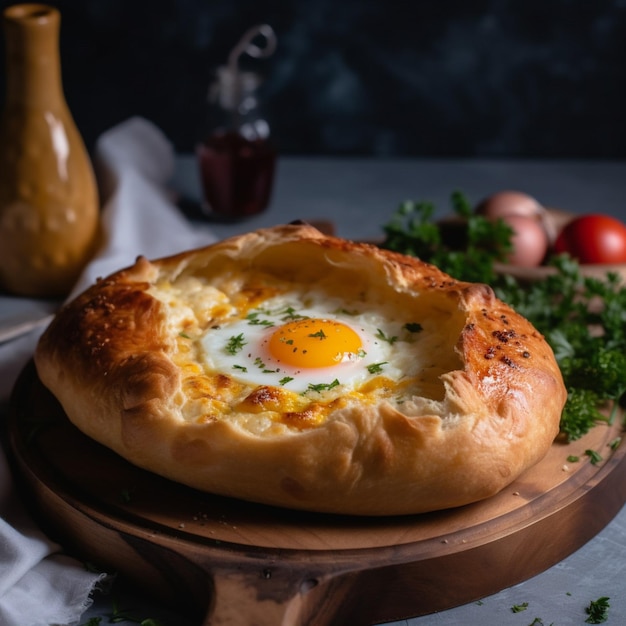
[(243, 599), (237, 603)]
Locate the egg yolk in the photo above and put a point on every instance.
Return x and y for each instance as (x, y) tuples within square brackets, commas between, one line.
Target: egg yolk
[(314, 343)]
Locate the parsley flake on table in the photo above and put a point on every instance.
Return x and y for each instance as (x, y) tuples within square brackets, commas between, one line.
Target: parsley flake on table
[(594, 456), (598, 611)]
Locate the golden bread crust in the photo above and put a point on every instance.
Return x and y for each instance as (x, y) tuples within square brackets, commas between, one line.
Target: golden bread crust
[(125, 360)]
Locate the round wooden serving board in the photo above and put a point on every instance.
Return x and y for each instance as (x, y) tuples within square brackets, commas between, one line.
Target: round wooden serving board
[(240, 564)]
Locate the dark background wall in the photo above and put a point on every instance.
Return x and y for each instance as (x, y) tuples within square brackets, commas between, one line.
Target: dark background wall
[(489, 78)]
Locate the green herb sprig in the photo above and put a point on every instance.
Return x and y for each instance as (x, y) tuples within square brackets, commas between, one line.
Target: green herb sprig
[(376, 368), (235, 344), (468, 254), (598, 611), (323, 386)]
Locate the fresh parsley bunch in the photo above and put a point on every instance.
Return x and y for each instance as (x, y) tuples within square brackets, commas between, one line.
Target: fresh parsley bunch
[(465, 247), (583, 319)]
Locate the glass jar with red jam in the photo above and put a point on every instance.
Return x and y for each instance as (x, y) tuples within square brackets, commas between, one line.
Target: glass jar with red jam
[(236, 156)]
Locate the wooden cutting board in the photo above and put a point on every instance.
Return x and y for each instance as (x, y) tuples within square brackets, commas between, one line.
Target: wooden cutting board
[(240, 564)]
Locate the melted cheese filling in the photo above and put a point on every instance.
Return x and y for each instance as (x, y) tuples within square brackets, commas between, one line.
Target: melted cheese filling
[(417, 341)]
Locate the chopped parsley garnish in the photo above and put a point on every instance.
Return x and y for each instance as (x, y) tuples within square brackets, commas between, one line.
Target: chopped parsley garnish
[(323, 386), (290, 314), (381, 335), (376, 368), (594, 456), (518, 608), (261, 365), (235, 344), (598, 611), (285, 380), (241, 368), (253, 319), (413, 327), (573, 458), (593, 365), (320, 333), (184, 335)]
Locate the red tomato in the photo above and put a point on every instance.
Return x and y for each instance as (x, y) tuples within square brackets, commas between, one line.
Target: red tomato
[(593, 239)]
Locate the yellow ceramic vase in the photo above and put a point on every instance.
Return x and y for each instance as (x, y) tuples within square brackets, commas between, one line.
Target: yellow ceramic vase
[(49, 215)]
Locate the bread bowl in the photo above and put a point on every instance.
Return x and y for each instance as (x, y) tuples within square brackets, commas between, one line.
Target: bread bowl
[(460, 396)]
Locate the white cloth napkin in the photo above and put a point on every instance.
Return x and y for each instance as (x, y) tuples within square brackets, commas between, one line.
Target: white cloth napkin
[(39, 585), (134, 162)]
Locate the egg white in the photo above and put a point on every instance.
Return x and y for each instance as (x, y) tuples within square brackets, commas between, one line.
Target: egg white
[(238, 347)]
